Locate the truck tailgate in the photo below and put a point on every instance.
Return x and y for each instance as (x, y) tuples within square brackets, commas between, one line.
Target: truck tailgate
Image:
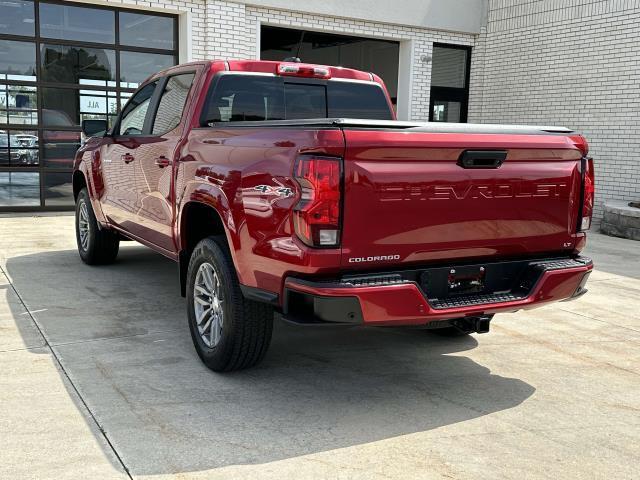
[(408, 199)]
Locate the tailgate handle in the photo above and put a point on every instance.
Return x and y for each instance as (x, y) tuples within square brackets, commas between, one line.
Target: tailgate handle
[(482, 158)]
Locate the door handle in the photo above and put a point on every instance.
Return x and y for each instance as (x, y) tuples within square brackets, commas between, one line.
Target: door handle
[(163, 162), (127, 158)]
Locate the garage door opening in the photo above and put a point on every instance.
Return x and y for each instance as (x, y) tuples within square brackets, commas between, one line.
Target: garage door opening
[(371, 55)]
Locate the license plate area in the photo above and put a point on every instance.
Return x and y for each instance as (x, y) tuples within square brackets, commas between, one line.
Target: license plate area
[(466, 280), (478, 279)]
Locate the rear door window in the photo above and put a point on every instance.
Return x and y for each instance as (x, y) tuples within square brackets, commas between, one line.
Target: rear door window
[(172, 102)]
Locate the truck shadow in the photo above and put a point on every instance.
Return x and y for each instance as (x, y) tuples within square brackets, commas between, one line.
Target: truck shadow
[(121, 335)]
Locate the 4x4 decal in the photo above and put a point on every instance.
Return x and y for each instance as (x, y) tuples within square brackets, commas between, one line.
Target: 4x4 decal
[(279, 190)]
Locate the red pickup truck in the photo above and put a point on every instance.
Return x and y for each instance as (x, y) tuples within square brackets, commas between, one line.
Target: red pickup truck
[(289, 190)]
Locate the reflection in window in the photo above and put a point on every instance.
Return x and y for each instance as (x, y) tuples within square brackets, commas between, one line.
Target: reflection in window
[(135, 112), (77, 64), (67, 107), (18, 104), (77, 23), (254, 98), (135, 67), (172, 103), (17, 61), (151, 31), (357, 100), (60, 107), (19, 189), (58, 189), (60, 148), (444, 111), (305, 101), (18, 148), (16, 17)]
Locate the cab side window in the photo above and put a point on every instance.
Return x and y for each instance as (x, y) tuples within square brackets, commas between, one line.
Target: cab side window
[(172, 102), (135, 112)]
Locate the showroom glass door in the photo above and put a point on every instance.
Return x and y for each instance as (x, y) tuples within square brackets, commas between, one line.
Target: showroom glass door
[(61, 63), (449, 83)]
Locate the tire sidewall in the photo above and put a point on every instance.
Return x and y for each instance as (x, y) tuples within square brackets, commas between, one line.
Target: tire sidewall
[(84, 198), (209, 251)]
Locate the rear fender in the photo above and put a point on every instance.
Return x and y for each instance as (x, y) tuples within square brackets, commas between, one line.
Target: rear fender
[(84, 168), (215, 199)]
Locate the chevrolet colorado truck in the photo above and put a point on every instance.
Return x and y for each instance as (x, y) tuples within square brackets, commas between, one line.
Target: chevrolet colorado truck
[(289, 190)]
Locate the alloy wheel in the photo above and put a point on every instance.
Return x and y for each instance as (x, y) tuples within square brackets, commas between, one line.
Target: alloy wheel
[(207, 304)]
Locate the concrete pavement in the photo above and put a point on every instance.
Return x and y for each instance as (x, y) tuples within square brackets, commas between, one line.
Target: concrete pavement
[(98, 379)]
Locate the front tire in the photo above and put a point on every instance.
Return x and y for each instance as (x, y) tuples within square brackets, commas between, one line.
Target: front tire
[(96, 246), (228, 331)]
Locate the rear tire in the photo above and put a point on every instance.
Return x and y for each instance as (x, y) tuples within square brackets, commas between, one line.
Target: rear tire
[(228, 331), (96, 246)]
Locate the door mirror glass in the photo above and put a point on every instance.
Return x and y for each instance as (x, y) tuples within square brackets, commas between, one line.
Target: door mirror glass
[(94, 128)]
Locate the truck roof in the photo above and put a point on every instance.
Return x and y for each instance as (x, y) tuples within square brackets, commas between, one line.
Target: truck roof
[(272, 66)]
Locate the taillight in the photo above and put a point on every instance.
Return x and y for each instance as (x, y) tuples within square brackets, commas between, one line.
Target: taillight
[(317, 215), (588, 194)]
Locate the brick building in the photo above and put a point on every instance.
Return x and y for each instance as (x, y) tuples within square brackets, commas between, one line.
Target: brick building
[(491, 61)]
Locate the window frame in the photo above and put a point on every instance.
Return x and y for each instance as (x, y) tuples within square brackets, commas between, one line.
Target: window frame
[(161, 87), (115, 131), (453, 94)]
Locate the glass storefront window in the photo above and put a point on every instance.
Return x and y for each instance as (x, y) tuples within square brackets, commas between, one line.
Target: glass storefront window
[(67, 107), (77, 23), (79, 48), (149, 31), (18, 104), (64, 64), (58, 189), (17, 17), (18, 148), (17, 61), (60, 148), (19, 189), (95, 104), (60, 107), (135, 67)]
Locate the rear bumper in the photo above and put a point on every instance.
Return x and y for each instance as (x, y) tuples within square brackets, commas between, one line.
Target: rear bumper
[(403, 302)]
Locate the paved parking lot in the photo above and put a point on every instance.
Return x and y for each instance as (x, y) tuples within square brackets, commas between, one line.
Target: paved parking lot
[(98, 379)]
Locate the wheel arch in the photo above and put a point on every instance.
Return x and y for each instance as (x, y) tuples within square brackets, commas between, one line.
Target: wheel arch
[(79, 182), (198, 220)]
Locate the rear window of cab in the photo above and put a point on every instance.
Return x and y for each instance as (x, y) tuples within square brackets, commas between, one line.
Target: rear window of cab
[(237, 98)]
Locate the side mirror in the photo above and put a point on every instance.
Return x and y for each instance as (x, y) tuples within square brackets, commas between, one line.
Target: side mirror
[(94, 128)]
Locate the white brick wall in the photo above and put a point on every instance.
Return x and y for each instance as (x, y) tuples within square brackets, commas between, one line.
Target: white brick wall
[(569, 63)]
